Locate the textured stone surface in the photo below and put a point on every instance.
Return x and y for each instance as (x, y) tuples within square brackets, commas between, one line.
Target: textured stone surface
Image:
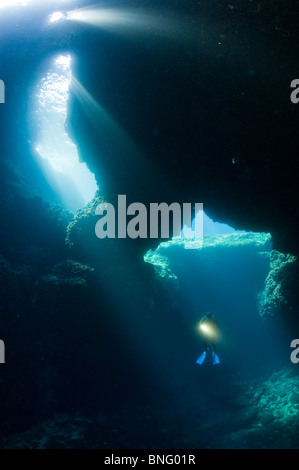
[(260, 412)]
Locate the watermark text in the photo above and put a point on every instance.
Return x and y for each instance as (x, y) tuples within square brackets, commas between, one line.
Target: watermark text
[(295, 93), (138, 221), (2, 352), (2, 92), (295, 352)]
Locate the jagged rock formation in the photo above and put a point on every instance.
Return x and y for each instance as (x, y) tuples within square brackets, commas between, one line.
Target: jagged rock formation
[(279, 296)]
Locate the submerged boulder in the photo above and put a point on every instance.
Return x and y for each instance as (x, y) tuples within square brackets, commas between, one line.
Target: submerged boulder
[(280, 293)]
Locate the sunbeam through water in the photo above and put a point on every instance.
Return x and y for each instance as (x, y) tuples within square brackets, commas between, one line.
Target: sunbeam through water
[(54, 144)]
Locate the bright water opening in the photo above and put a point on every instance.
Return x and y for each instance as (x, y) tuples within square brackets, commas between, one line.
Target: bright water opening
[(13, 3), (209, 227), (70, 178), (215, 228), (30, 3)]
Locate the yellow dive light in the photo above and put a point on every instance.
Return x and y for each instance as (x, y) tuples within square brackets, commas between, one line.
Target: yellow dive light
[(208, 330)]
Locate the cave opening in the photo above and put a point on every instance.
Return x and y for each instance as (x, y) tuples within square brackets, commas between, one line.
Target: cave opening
[(230, 275), (56, 153)]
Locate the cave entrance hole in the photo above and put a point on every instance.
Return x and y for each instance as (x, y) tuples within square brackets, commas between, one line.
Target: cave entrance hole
[(56, 153)]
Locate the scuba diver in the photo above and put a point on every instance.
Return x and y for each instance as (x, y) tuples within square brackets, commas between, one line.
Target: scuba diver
[(209, 331)]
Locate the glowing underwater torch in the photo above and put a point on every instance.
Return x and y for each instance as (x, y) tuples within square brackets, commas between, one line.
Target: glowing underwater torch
[(208, 330)]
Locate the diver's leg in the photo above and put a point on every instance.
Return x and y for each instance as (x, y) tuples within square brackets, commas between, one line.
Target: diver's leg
[(203, 355), (215, 356), (201, 358)]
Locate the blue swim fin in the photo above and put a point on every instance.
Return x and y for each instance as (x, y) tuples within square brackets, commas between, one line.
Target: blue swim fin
[(201, 358), (215, 358)]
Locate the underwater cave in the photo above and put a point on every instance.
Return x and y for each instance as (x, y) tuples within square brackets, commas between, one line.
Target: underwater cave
[(102, 337)]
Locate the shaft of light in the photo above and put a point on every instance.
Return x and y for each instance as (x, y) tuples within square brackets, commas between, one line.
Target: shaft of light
[(130, 21)]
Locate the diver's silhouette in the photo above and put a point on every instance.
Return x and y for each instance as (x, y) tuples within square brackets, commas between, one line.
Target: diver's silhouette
[(209, 331)]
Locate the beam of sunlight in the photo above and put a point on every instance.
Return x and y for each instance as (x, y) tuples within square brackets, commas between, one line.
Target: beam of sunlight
[(31, 3), (119, 153), (96, 113), (130, 21), (113, 138), (54, 144)]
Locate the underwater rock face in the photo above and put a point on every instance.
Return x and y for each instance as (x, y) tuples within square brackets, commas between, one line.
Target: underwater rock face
[(253, 411), (279, 296), (276, 405), (57, 317)]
